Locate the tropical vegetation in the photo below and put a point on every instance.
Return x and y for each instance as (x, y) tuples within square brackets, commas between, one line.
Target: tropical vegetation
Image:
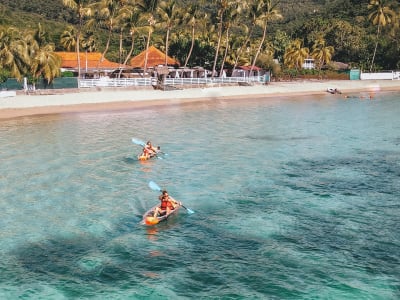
[(216, 34)]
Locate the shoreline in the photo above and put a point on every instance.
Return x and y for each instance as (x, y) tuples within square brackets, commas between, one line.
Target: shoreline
[(112, 99)]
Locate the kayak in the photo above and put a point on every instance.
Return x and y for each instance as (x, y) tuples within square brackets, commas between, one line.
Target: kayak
[(148, 218), (144, 157)]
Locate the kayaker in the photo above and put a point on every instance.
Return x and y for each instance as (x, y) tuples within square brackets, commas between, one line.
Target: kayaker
[(167, 204), (149, 151)]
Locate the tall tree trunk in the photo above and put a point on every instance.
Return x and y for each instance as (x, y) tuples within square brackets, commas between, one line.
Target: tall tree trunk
[(225, 53), (78, 37), (191, 48), (166, 47), (106, 48), (128, 55), (217, 50), (147, 53), (120, 46), (259, 47), (376, 47), (240, 50)]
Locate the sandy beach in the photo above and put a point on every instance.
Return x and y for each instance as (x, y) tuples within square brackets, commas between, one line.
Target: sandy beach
[(123, 98)]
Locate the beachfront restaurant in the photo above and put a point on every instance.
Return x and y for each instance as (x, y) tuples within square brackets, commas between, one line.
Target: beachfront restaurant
[(91, 64)]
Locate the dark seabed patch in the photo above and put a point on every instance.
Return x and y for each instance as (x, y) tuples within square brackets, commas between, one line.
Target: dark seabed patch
[(376, 173), (276, 138)]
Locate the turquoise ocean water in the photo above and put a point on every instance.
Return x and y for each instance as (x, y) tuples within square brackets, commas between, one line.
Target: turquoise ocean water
[(294, 198)]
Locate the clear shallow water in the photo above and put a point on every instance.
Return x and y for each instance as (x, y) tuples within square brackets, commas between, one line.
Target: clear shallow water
[(293, 199)]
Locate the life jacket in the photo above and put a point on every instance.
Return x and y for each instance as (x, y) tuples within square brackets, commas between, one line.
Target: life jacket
[(165, 204)]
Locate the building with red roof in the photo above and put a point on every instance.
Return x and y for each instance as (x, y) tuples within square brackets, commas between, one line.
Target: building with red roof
[(154, 58), (90, 62)]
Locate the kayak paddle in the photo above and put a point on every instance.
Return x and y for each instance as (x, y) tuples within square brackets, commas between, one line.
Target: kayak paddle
[(154, 186), (138, 142)]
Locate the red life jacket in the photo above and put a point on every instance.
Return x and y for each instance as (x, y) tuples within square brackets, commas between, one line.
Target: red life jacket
[(165, 204)]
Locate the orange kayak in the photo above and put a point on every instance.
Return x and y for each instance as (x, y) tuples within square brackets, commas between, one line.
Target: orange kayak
[(144, 157)]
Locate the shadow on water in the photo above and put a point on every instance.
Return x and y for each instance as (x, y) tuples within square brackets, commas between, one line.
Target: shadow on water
[(361, 225), (364, 173), (274, 138), (83, 266), (130, 160)]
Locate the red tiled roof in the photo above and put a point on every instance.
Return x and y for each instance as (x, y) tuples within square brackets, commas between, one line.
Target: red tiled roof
[(247, 68), (91, 60), (154, 58)]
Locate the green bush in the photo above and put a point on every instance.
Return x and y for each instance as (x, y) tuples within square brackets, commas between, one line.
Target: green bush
[(67, 74), (4, 75)]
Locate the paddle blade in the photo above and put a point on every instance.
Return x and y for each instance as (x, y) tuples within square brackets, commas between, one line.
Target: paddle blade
[(154, 186), (151, 221), (188, 210), (138, 142)]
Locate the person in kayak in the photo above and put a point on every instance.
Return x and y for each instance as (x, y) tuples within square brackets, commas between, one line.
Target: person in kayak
[(149, 150), (167, 204)]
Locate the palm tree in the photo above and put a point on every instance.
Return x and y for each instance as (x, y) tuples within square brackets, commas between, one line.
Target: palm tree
[(254, 11), (68, 38), (14, 54), (137, 24), (88, 43), (190, 18), (232, 15), (150, 27), (108, 12), (148, 7), (381, 16), (222, 7), (169, 16), (122, 22), (322, 53), (82, 9), (238, 43), (295, 54), (43, 61), (270, 13)]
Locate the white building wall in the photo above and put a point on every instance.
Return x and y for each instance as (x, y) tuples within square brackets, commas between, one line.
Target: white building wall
[(380, 76), (309, 64)]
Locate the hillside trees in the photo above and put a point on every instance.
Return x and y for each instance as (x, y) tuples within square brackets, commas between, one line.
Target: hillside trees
[(236, 32)]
